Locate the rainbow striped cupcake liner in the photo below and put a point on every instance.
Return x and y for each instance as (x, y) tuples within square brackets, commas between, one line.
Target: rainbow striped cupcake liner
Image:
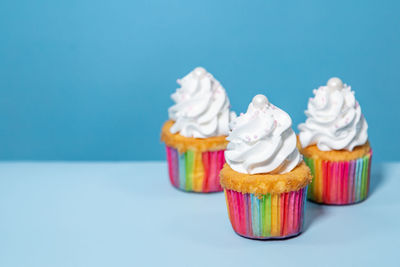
[(339, 182), (195, 171), (271, 216)]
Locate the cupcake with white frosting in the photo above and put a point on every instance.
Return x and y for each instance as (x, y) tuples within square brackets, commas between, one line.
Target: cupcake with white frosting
[(265, 177), (195, 134), (334, 142)]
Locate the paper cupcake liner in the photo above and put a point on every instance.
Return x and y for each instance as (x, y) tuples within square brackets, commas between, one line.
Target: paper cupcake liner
[(339, 182), (195, 171), (271, 216)]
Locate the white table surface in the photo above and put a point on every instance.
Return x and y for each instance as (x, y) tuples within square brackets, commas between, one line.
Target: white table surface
[(127, 214)]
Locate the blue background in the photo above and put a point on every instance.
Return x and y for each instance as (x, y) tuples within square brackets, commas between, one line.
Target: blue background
[(91, 80)]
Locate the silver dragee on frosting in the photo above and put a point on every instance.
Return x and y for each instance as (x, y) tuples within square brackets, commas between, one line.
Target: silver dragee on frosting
[(262, 140), (202, 106), (334, 119)]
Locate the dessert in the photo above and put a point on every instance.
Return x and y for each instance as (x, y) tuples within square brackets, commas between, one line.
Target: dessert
[(334, 143), (264, 178), (195, 135)]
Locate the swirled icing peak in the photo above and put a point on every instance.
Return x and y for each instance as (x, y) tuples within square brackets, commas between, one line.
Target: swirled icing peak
[(201, 107), (262, 140), (334, 119)]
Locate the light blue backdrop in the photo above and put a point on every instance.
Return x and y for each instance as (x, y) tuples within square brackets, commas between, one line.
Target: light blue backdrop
[(90, 80)]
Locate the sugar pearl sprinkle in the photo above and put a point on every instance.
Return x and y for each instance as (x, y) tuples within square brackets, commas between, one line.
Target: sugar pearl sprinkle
[(199, 72), (260, 101), (335, 83)]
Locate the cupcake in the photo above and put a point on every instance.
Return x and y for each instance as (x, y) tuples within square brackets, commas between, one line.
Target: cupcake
[(195, 135), (334, 143), (265, 179)]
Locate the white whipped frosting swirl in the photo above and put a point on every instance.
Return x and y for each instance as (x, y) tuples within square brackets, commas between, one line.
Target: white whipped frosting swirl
[(202, 106), (262, 140), (334, 119)]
